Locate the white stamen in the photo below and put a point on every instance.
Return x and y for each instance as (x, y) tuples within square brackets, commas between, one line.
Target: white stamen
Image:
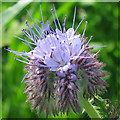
[(57, 18), (74, 18), (79, 24), (54, 18), (89, 41), (64, 30), (84, 31), (41, 14), (25, 77), (100, 46), (21, 60)]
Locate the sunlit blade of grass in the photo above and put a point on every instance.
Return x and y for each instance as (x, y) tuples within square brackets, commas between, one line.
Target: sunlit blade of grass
[(12, 11), (89, 108)]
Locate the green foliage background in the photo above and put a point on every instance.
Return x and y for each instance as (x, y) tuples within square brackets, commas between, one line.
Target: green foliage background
[(102, 24)]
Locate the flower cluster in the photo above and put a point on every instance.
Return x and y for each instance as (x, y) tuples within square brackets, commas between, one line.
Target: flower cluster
[(59, 66)]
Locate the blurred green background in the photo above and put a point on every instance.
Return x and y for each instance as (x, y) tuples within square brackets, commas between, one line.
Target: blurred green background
[(102, 24)]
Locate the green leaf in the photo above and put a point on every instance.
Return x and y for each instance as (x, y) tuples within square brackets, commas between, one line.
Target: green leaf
[(89, 108)]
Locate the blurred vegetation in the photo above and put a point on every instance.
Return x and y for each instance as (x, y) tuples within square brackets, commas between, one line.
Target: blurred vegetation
[(102, 24)]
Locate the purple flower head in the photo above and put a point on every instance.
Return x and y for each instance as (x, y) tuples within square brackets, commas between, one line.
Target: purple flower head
[(59, 66)]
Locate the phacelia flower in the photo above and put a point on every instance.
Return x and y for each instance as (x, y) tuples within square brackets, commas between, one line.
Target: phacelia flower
[(59, 66)]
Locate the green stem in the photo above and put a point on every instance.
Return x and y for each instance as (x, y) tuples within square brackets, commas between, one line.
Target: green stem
[(88, 108)]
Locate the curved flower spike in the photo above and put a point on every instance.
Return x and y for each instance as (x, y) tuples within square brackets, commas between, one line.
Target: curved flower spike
[(59, 66)]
